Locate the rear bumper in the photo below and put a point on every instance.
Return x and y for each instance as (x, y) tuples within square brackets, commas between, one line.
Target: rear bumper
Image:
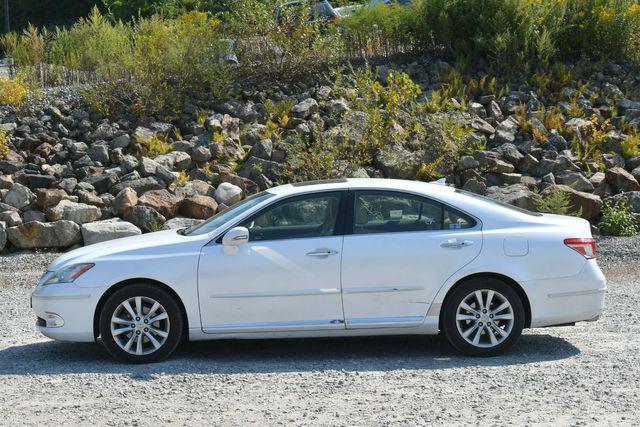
[(568, 299), (69, 310)]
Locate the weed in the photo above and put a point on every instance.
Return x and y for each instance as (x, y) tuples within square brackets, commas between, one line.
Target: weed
[(555, 202), (5, 139), (154, 146), (617, 218), (13, 91), (630, 147)]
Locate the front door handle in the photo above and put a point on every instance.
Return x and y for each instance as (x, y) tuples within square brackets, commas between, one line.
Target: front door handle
[(322, 252), (456, 244)]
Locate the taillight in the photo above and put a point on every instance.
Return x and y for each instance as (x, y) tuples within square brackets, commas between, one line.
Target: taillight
[(333, 19), (585, 247)]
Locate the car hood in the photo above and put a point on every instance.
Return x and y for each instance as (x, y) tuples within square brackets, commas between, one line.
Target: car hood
[(124, 246)]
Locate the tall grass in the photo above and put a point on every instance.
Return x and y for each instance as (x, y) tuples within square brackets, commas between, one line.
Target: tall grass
[(155, 63)]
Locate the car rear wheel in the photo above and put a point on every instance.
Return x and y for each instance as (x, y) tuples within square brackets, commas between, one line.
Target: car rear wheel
[(483, 317), (141, 323)]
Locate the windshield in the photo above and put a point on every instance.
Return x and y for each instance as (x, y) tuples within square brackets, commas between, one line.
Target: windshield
[(498, 203), (228, 214)]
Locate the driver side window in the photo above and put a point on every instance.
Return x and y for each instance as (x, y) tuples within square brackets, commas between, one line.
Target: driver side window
[(305, 216)]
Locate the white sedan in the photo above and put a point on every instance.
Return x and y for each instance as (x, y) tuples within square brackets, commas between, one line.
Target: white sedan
[(346, 257)]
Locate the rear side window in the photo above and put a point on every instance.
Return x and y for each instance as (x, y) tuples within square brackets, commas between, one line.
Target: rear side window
[(392, 212)]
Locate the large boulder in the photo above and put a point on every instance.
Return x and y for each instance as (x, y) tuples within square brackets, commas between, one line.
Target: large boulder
[(516, 194), (162, 201), (72, 211), (19, 196), (34, 235), (621, 180), (101, 231), (199, 207), (589, 205), (145, 217), (228, 194)]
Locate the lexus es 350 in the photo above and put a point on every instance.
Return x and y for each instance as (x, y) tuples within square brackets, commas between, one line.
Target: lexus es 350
[(333, 258)]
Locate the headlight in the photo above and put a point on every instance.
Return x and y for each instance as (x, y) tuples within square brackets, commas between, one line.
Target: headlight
[(67, 274)]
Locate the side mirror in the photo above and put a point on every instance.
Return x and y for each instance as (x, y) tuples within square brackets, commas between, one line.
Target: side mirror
[(236, 236)]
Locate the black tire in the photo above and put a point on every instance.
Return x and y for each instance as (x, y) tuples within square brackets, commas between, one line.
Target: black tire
[(450, 325), (167, 301)]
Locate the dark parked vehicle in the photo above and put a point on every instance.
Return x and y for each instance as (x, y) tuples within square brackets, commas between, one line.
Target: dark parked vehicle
[(320, 12)]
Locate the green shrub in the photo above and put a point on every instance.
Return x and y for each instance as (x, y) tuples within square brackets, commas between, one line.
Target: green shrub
[(617, 219), (290, 51), (555, 202)]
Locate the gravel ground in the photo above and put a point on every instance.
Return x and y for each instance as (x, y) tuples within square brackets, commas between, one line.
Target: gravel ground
[(587, 374)]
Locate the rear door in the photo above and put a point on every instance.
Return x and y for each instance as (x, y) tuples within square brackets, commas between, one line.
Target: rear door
[(401, 248)]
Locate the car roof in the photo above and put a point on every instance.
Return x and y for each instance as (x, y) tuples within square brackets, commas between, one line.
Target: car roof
[(360, 183)]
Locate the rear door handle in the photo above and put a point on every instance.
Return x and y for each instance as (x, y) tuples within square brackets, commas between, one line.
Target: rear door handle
[(322, 252), (456, 244)]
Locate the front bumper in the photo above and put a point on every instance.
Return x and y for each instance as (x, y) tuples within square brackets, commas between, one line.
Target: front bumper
[(68, 304), (569, 299)]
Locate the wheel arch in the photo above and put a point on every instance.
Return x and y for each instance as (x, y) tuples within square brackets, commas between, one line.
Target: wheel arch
[(117, 286), (508, 280)]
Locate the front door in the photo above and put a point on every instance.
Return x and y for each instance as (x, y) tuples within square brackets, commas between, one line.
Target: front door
[(286, 278), (403, 247)]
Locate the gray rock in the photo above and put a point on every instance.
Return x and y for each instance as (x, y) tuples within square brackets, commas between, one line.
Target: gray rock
[(475, 186), (253, 134), (175, 160), (29, 216), (140, 186), (254, 167), (263, 149), (528, 163), (19, 196), (467, 162), (101, 231), (621, 180), (35, 235), (11, 218), (613, 160), (482, 126), (510, 153), (338, 106), (181, 222), (146, 218), (121, 141), (201, 154), (99, 153), (305, 108), (574, 180), (79, 213), (102, 183), (516, 194), (228, 194)]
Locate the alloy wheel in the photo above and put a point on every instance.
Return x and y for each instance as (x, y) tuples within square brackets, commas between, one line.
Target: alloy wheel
[(140, 325), (485, 318)]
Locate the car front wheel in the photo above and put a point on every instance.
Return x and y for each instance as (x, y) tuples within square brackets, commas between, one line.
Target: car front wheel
[(483, 317), (141, 323)]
